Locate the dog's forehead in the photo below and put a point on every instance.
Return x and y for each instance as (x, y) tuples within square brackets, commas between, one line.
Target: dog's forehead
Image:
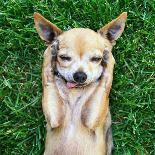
[(82, 40)]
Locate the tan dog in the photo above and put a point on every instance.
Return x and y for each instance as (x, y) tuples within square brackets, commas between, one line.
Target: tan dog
[(77, 77)]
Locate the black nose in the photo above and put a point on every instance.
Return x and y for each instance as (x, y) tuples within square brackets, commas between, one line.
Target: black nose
[(80, 77)]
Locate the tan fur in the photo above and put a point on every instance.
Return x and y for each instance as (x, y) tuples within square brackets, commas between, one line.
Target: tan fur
[(78, 119)]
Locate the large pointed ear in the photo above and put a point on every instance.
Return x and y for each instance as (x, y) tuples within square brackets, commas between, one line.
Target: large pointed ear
[(113, 30), (46, 30)]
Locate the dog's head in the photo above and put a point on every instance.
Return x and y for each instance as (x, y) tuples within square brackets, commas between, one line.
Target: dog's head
[(80, 55)]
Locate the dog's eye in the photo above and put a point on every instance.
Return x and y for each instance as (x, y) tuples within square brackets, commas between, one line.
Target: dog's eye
[(65, 58), (96, 59)]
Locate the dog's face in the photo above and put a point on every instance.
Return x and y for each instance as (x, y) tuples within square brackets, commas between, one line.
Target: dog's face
[(81, 54)]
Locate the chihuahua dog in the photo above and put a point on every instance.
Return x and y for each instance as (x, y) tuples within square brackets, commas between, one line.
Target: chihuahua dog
[(77, 76)]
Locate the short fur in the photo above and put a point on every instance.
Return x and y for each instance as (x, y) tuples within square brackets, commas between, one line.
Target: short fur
[(78, 119)]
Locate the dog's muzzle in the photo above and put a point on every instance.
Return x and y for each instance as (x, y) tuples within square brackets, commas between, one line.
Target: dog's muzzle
[(79, 79)]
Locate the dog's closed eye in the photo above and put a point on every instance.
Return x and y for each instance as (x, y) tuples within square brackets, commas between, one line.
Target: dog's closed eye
[(65, 58), (96, 59)]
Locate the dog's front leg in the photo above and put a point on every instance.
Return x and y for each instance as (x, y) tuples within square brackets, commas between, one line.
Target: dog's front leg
[(95, 111), (53, 107)]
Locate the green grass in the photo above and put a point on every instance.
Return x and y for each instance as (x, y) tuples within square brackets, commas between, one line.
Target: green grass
[(22, 125)]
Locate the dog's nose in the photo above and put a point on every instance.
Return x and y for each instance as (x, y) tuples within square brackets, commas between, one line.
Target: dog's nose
[(80, 77)]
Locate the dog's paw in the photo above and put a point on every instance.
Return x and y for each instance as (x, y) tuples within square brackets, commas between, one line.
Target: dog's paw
[(53, 117), (91, 116), (89, 124), (54, 123)]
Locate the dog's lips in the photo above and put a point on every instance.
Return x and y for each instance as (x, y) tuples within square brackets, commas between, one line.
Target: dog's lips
[(71, 85)]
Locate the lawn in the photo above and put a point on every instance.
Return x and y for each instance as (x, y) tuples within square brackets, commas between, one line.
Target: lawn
[(132, 99)]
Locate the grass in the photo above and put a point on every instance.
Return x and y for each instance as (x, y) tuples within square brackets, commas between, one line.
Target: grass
[(22, 125)]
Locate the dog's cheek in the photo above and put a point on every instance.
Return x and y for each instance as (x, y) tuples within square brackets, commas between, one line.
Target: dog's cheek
[(95, 73), (67, 73)]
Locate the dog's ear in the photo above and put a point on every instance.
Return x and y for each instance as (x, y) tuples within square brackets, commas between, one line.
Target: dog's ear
[(46, 30), (113, 30)]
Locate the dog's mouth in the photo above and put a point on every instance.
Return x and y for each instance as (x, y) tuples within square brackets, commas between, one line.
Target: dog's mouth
[(69, 84), (72, 84)]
